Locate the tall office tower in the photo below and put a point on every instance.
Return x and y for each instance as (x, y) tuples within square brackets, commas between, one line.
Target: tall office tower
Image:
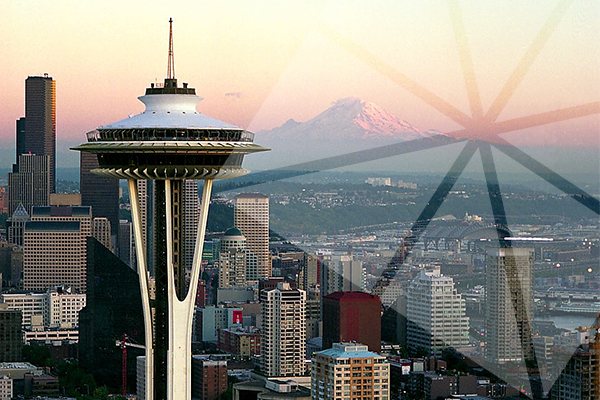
[(100, 193), (342, 274), (349, 371), (40, 120), (11, 335), (309, 272), (352, 317), (232, 269), (436, 314), (509, 304), (101, 230), (16, 225), (113, 307), (283, 340), (20, 138), (232, 259), (126, 246), (29, 183), (191, 212), (54, 248), (251, 217), (168, 143)]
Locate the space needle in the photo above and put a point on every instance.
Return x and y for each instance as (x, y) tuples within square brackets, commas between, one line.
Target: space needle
[(169, 142)]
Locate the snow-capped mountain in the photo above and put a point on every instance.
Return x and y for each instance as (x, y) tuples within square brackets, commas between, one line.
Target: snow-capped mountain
[(349, 125), (348, 119)]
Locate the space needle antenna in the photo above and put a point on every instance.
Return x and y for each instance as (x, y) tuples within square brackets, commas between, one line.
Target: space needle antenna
[(171, 63)]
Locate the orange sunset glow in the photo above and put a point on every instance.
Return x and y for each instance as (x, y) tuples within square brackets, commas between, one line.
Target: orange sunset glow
[(258, 64)]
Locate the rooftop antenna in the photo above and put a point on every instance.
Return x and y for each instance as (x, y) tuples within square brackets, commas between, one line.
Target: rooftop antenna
[(171, 64)]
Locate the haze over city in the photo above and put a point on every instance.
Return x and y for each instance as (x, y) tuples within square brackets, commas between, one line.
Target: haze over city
[(259, 64), (428, 207)]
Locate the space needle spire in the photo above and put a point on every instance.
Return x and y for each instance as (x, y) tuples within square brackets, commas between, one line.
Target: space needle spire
[(171, 62), (168, 143)]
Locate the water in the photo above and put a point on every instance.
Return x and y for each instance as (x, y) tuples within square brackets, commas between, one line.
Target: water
[(569, 322)]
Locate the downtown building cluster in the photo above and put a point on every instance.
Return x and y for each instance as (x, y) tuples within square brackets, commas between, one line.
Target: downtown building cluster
[(299, 324)]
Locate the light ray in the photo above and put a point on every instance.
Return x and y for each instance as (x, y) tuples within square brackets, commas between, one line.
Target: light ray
[(399, 78), (466, 60), (527, 61)]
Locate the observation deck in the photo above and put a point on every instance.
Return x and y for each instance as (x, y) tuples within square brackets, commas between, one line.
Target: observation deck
[(170, 140)]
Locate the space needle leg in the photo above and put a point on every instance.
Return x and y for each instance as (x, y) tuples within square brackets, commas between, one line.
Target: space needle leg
[(179, 355), (143, 278)]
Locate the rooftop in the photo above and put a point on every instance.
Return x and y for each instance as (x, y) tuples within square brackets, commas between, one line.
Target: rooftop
[(352, 296), (348, 350)]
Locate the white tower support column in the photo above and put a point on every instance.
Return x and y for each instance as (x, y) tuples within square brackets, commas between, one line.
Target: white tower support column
[(140, 250), (179, 355)]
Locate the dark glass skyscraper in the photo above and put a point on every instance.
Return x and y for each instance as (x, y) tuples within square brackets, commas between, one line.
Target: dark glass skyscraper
[(20, 137), (99, 192), (40, 120)]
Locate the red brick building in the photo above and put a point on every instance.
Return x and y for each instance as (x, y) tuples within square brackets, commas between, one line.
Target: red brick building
[(352, 317), (243, 342), (209, 378)]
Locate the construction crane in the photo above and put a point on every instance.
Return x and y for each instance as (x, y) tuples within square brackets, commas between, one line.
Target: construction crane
[(124, 344)]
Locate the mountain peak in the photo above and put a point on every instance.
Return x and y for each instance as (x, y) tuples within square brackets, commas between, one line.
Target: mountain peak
[(352, 118)]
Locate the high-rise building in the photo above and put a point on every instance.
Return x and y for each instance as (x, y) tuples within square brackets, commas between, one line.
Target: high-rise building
[(251, 217), (232, 259), (509, 304), (29, 183), (578, 380), (352, 317), (349, 371), (40, 121), (436, 314), (342, 273), (20, 138), (113, 307), (101, 230), (126, 246), (100, 193), (169, 143), (54, 248), (283, 340), (309, 272), (11, 335), (191, 212), (16, 225), (209, 380)]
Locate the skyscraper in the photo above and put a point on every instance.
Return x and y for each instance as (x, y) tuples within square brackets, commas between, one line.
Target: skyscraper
[(168, 143), (352, 317), (232, 259), (40, 120), (100, 193), (509, 304), (349, 371), (342, 274), (436, 314), (283, 340), (251, 217), (191, 212), (20, 138), (29, 183), (54, 248)]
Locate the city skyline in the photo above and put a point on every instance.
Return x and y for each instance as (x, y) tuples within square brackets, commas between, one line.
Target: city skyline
[(296, 67)]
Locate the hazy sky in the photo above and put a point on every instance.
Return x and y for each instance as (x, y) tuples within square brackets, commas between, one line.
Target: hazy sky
[(259, 63)]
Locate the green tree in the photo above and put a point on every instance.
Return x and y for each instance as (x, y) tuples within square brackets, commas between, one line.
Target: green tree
[(101, 393), (38, 354)]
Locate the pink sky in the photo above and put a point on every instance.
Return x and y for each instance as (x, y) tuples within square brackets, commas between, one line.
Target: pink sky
[(260, 63)]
